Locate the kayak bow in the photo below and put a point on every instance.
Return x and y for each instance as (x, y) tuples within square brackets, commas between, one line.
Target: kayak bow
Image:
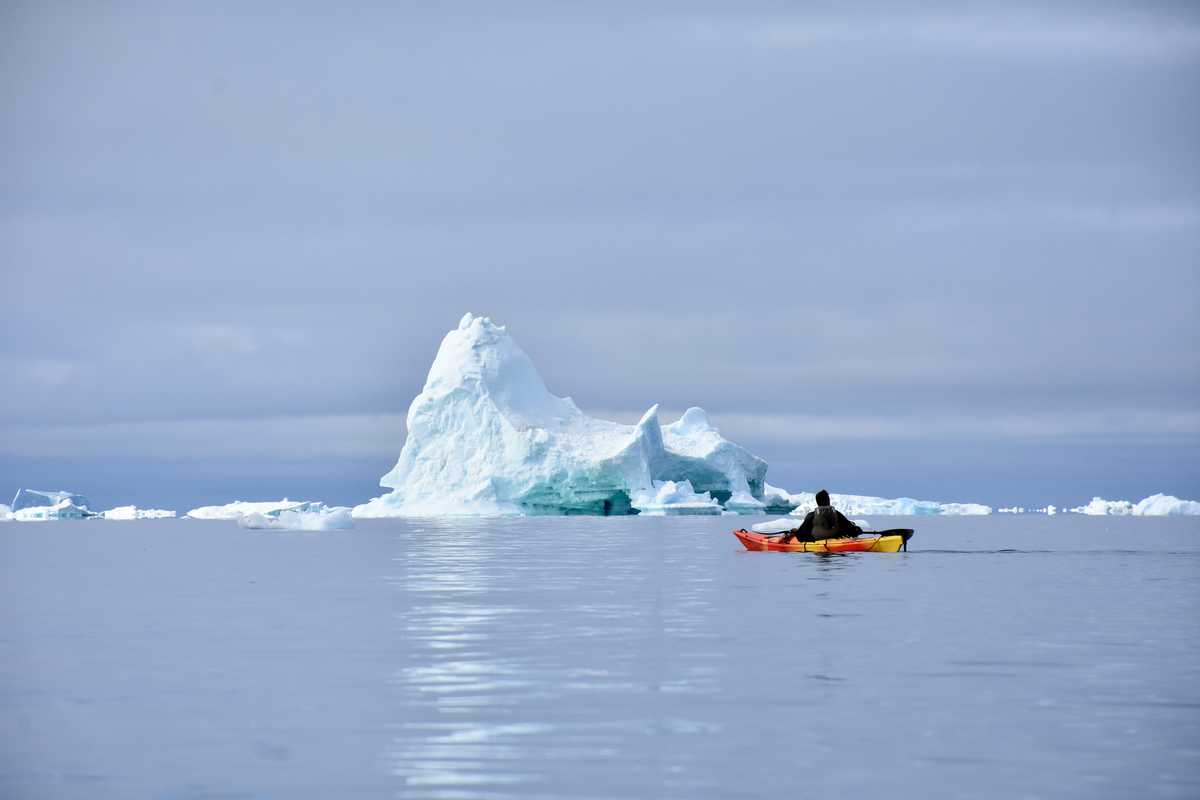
[(890, 541)]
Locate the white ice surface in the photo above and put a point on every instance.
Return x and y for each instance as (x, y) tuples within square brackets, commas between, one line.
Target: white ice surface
[(133, 512), (775, 525), (233, 511), (486, 437), (31, 498), (669, 498), (1165, 505), (775, 498), (321, 519), (63, 509), (850, 504), (5, 513)]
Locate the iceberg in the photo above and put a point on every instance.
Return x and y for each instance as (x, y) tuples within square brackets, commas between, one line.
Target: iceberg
[(5, 513), (282, 514), (486, 437), (233, 511), (670, 498), (854, 504), (63, 509), (133, 512), (310, 519), (1156, 505), (776, 500), (34, 498), (1165, 505)]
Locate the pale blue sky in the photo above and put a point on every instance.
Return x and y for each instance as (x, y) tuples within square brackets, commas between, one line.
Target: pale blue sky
[(943, 250)]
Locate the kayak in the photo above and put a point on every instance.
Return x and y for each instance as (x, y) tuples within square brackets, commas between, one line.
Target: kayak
[(890, 541)]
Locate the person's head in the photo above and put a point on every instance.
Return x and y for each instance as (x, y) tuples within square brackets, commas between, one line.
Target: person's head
[(822, 498)]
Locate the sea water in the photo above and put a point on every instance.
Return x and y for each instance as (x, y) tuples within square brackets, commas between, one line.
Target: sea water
[(598, 657)]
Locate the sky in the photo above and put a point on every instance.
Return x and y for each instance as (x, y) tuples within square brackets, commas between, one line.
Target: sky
[(940, 250)]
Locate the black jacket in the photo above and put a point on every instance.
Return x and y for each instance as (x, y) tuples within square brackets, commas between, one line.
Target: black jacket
[(825, 523)]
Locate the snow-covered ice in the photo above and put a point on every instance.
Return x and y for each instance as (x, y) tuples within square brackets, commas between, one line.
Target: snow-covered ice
[(234, 511), (32, 498), (133, 512), (1156, 505), (1165, 505), (5, 513), (775, 526), (63, 509), (282, 514), (670, 498), (776, 500), (902, 506), (325, 518), (485, 436)]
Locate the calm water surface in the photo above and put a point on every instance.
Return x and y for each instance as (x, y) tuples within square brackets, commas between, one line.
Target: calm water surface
[(590, 658)]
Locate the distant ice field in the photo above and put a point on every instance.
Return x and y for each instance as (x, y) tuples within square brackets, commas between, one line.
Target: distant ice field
[(599, 657)]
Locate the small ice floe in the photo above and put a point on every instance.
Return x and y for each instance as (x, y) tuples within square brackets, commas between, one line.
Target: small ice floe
[(133, 512), (675, 498), (303, 517)]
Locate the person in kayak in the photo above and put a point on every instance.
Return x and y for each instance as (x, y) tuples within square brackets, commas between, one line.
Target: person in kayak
[(826, 522)]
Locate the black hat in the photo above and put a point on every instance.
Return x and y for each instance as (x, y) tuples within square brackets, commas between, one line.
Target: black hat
[(822, 498)]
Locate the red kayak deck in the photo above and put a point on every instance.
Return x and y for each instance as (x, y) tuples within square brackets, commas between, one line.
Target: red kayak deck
[(883, 542)]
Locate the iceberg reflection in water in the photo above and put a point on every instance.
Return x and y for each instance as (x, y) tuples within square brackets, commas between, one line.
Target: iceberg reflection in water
[(598, 657)]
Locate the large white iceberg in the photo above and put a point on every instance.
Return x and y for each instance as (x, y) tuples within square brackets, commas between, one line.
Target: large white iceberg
[(133, 512), (485, 436), (851, 504), (1156, 505)]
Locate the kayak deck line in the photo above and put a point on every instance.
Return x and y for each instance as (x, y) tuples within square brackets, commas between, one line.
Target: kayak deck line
[(890, 541)]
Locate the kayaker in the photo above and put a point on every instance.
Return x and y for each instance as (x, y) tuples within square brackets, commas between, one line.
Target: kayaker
[(825, 522)]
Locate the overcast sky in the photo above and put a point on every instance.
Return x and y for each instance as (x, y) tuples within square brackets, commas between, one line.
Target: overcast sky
[(949, 251)]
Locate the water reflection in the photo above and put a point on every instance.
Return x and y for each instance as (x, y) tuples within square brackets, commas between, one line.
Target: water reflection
[(535, 652)]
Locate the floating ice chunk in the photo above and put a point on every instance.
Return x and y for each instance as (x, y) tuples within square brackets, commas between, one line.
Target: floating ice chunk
[(32, 498), (777, 500), (133, 512), (1165, 505), (486, 437), (775, 526), (233, 511), (902, 506), (311, 519), (5, 513), (744, 503), (63, 509), (1100, 507), (672, 498)]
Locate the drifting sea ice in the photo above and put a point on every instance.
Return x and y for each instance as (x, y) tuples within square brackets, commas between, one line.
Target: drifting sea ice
[(850, 504), (133, 512), (671, 498), (234, 511), (1156, 505), (36, 498), (312, 519)]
